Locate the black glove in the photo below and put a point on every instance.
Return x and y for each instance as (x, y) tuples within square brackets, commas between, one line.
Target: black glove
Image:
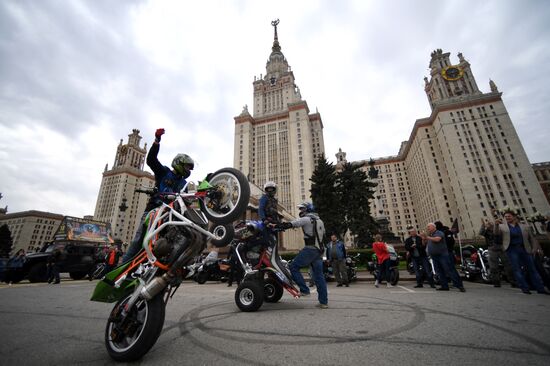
[(283, 225)]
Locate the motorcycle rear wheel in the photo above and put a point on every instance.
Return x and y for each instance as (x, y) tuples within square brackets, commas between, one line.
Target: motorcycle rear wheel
[(138, 332), (273, 290), (394, 276), (202, 277), (234, 194)]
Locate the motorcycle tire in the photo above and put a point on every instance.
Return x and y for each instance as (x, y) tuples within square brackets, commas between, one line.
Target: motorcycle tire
[(234, 188), (249, 296), (225, 232), (486, 276), (202, 277), (273, 290), (146, 319), (394, 277), (352, 274)]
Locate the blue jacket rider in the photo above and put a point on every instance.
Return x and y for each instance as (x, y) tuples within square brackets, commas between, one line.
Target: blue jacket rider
[(166, 180)]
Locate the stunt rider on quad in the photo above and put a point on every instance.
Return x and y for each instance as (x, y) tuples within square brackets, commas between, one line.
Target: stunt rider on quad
[(166, 180)]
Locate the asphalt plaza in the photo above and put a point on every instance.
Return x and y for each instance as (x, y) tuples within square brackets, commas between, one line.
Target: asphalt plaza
[(57, 324)]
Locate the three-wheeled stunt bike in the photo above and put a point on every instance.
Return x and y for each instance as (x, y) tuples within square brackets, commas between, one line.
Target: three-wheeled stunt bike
[(266, 275)]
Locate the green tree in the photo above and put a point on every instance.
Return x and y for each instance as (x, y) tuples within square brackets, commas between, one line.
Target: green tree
[(325, 197), (6, 241), (354, 192)]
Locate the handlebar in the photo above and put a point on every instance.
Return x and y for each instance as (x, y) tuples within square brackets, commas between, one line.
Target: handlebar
[(149, 191)]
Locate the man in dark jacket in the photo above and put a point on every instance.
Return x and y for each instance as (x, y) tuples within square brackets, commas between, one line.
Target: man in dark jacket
[(336, 255), (166, 181), (496, 253), (450, 241), (417, 252)]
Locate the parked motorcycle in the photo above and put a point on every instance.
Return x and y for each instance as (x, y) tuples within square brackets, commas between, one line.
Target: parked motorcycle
[(266, 275), (475, 263), (374, 267), (217, 270), (175, 233), (351, 263)]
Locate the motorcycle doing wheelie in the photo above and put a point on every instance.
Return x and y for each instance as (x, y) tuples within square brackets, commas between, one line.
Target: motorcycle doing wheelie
[(266, 275), (174, 234)]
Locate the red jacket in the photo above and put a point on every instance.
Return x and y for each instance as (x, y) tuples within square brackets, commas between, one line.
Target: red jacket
[(381, 251)]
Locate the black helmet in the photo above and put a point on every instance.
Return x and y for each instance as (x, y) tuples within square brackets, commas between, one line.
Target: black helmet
[(183, 164)]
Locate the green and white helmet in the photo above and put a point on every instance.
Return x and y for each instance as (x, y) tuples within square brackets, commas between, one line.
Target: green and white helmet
[(183, 164)]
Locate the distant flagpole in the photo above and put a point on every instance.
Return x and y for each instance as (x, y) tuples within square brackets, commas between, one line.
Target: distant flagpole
[(456, 230)]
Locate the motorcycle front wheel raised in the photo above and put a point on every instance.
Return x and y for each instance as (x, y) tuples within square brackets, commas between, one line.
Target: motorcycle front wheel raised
[(230, 198), (131, 338)]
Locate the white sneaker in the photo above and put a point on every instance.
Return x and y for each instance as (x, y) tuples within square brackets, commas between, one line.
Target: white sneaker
[(376, 283), (390, 285)]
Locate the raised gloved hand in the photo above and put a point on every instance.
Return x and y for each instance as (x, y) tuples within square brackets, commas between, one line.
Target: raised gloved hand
[(158, 133)]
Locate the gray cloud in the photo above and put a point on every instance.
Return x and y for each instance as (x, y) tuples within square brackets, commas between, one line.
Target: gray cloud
[(77, 76)]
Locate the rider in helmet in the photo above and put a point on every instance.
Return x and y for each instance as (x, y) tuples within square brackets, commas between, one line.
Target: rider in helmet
[(268, 204), (312, 253), (166, 180)]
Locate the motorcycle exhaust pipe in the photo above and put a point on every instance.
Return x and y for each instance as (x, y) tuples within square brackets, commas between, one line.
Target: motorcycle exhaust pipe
[(158, 284)]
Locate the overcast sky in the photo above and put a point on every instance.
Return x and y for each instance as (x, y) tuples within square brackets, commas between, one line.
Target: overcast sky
[(77, 76)]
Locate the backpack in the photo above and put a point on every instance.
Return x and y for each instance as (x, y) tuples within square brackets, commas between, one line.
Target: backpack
[(318, 233)]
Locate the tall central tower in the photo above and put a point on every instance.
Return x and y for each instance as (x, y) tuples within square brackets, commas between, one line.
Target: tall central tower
[(281, 141), (117, 201)]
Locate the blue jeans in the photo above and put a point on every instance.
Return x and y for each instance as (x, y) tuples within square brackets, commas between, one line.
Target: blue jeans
[(135, 245), (306, 257), (417, 261), (518, 257), (384, 271), (443, 268)]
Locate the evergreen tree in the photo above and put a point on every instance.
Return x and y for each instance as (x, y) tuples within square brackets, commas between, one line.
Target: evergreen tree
[(355, 191), (325, 197), (6, 241)]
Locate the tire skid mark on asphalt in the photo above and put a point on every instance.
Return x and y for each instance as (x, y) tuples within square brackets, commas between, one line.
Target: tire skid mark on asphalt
[(193, 316), (204, 345), (312, 339)]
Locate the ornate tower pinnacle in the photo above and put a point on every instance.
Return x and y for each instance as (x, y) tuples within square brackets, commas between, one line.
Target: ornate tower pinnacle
[(276, 47)]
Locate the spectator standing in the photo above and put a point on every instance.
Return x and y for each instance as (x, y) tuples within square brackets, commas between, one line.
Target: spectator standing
[(496, 252), (383, 257), (111, 259), (53, 266), (519, 244), (450, 242), (417, 251), (437, 249), (336, 254)]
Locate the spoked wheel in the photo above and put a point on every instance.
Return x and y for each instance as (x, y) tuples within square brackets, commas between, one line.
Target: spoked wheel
[(273, 290), (129, 338), (249, 296), (229, 199)]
